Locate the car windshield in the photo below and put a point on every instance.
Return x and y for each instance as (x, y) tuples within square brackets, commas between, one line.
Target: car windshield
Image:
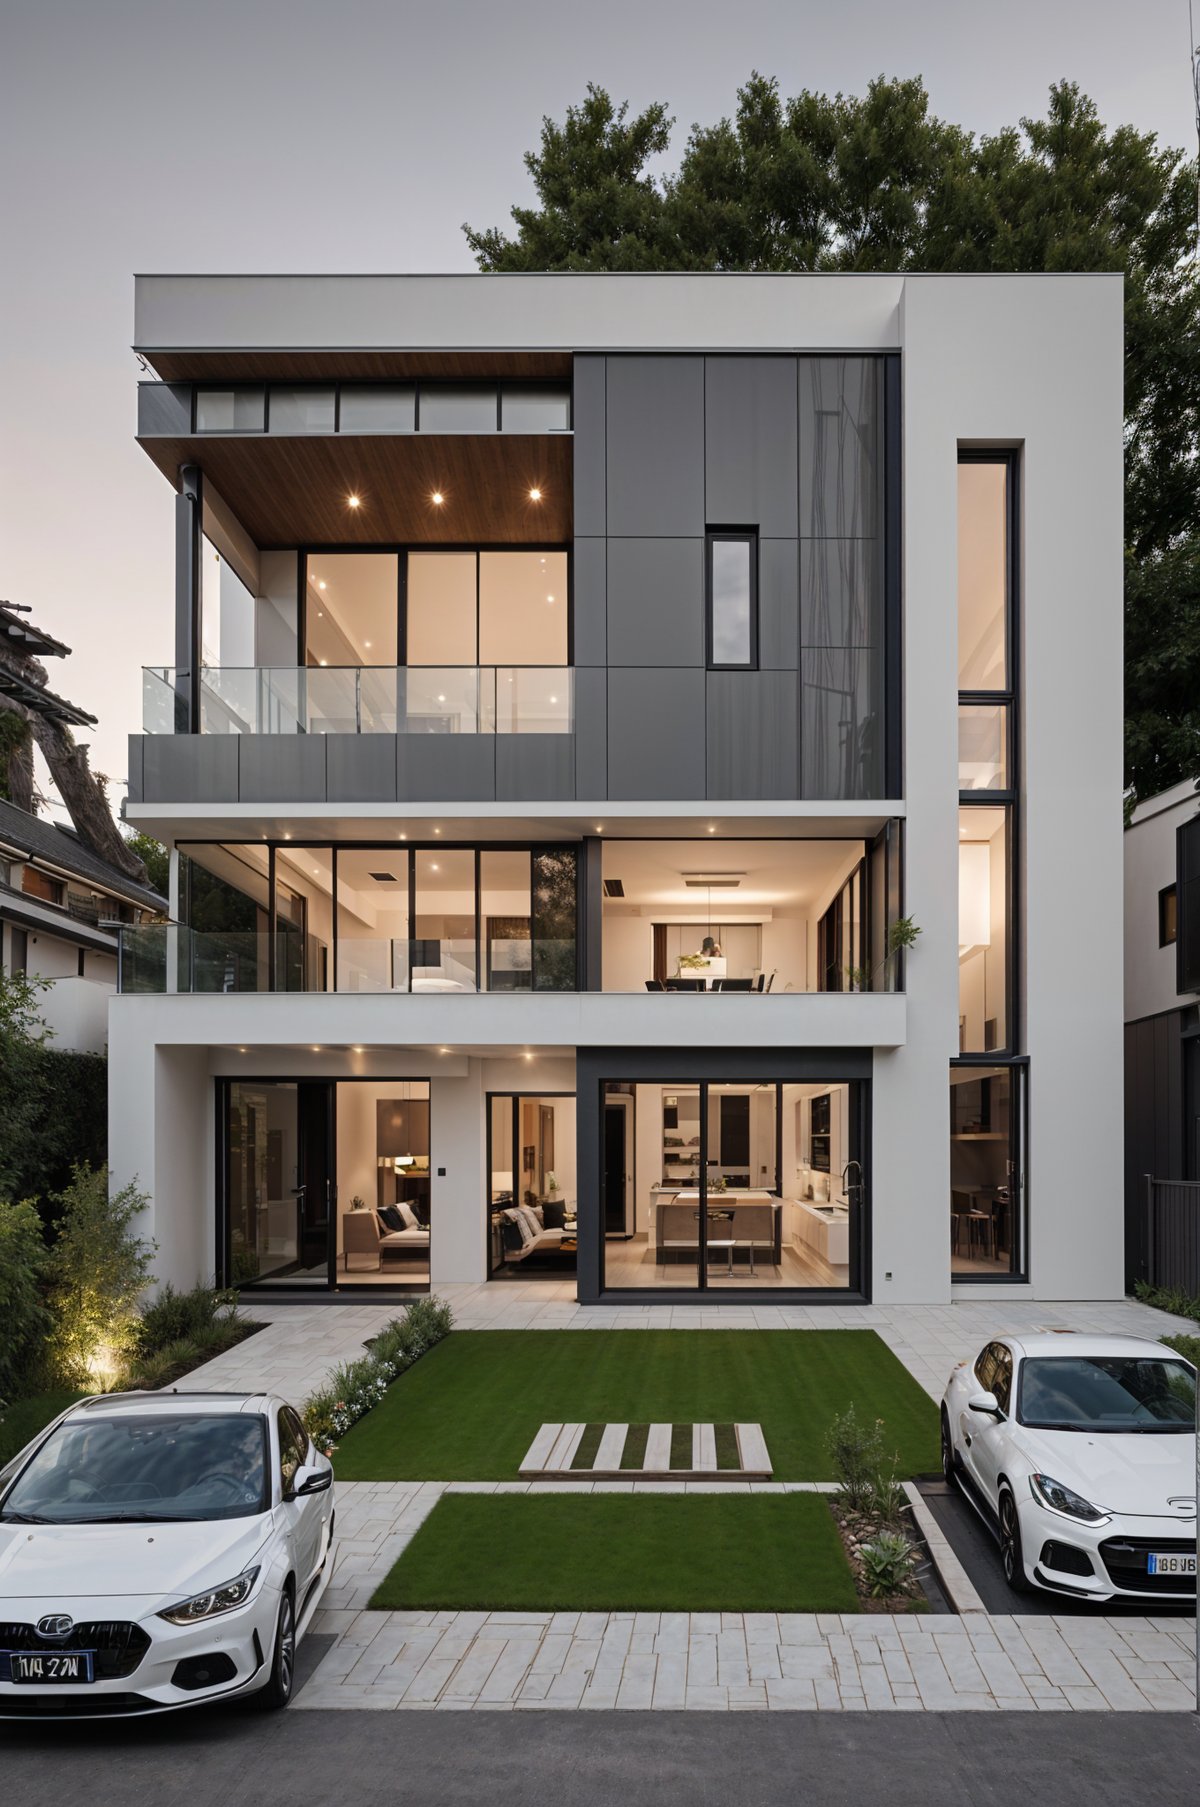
[(1107, 1393), (141, 1468)]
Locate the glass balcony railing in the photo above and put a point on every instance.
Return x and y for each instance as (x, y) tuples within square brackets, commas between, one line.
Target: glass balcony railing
[(426, 699)]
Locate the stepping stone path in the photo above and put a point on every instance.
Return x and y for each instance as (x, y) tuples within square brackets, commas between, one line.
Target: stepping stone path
[(648, 1452)]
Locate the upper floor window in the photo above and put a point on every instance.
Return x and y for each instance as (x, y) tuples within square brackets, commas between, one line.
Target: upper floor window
[(487, 608), (732, 599), (1168, 899), (384, 408), (41, 885), (983, 614)]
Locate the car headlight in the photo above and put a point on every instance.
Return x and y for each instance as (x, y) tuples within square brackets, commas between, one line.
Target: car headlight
[(216, 1600), (1052, 1493)]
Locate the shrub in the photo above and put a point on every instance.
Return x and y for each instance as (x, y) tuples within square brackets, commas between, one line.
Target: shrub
[(1187, 1346), (355, 1387), (22, 1313), (98, 1269), (1168, 1298), (887, 1499), (887, 1564), (175, 1315), (856, 1452)]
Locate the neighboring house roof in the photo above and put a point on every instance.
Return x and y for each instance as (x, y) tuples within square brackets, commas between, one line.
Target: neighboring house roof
[(19, 631), (62, 847)]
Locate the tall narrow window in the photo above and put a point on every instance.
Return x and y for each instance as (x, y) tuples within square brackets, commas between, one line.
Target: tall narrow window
[(732, 600)]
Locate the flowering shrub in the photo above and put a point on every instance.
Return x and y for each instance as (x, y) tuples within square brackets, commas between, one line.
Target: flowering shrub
[(354, 1387)]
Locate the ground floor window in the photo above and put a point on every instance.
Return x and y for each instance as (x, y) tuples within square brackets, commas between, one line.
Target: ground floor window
[(987, 1164), (325, 1182), (531, 1229), (727, 1184)]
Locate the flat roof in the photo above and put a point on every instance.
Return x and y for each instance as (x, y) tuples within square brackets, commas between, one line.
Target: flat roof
[(187, 325)]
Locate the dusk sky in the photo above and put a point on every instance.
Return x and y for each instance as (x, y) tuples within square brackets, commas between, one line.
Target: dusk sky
[(153, 135)]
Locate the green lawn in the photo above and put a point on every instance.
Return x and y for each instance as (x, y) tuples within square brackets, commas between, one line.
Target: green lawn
[(26, 1417), (624, 1552), (469, 1410)]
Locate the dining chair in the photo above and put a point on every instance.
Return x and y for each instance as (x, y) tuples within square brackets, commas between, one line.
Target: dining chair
[(685, 985), (655, 985), (732, 984)]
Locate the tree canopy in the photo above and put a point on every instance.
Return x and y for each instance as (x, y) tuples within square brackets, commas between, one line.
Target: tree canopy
[(839, 182)]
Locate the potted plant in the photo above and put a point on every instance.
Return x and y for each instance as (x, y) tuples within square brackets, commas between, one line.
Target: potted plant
[(691, 963), (902, 935)]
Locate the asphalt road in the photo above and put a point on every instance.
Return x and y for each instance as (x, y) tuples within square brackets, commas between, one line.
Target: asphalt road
[(359, 1759)]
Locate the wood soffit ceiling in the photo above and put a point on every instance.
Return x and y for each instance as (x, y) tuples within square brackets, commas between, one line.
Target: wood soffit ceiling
[(291, 491), (182, 366)]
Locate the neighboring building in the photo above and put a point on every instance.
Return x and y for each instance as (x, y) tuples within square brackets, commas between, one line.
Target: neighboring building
[(578, 682), (1162, 1004), (59, 909)]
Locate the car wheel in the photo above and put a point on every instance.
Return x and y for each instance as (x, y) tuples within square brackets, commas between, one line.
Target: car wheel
[(1011, 1559), (949, 1455), (278, 1690)]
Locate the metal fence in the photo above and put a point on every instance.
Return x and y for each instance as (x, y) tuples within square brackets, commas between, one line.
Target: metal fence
[(1171, 1234)]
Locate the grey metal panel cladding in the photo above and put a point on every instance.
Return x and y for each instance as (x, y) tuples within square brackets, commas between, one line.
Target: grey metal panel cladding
[(164, 409), (590, 601), (841, 723), (752, 734), (190, 768), (656, 734), (656, 602), (446, 768), (841, 447), (591, 733), (360, 768), (655, 432), (778, 604), (282, 768), (841, 593), (135, 781), (588, 448), (535, 768), (750, 444)]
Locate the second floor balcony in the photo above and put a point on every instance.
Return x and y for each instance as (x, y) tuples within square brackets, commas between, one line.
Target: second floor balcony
[(470, 699)]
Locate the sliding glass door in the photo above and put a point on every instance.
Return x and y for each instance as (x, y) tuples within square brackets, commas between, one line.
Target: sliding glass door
[(278, 1181)]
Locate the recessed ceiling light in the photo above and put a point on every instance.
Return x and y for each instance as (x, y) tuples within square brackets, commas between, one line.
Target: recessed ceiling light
[(535, 495), (529, 1057), (441, 698), (437, 498), (434, 867), (403, 837), (549, 599), (321, 585), (712, 831), (554, 699), (316, 1047), (599, 828), (324, 661), (366, 643), (358, 1050), (287, 837), (352, 501), (320, 614), (437, 831)]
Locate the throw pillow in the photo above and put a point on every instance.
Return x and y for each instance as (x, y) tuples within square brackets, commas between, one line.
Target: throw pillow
[(515, 1216), (529, 1219), (391, 1217), (411, 1220), (538, 1213), (554, 1214)]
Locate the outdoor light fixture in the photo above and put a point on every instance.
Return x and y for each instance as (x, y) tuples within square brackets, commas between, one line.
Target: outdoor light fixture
[(352, 501), (437, 498), (535, 495)]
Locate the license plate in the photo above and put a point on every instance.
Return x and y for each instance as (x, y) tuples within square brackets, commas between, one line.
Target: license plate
[(1171, 1564), (43, 1666)]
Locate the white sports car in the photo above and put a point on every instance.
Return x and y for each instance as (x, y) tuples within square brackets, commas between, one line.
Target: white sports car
[(158, 1550), (1081, 1453)]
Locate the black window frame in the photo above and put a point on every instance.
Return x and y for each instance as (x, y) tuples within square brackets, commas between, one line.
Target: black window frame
[(1168, 907), (499, 386), (1187, 906), (1018, 1069), (747, 536)]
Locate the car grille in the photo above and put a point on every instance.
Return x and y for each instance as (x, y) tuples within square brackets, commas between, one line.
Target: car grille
[(119, 1645), (1125, 1560)]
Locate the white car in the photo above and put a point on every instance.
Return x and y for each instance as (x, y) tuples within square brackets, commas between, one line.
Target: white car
[(159, 1550), (1081, 1453)]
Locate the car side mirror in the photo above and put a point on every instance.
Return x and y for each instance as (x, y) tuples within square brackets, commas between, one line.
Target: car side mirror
[(310, 1480), (985, 1404)]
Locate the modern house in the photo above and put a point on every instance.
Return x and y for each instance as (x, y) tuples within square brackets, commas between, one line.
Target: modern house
[(581, 688), (1162, 1026)]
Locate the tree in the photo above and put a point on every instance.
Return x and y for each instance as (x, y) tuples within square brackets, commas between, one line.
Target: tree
[(879, 183), (154, 858)]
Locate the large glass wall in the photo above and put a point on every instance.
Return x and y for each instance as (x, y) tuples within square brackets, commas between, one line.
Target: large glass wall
[(713, 1185), (429, 919), (351, 610), (983, 931), (326, 1182), (532, 1190)]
